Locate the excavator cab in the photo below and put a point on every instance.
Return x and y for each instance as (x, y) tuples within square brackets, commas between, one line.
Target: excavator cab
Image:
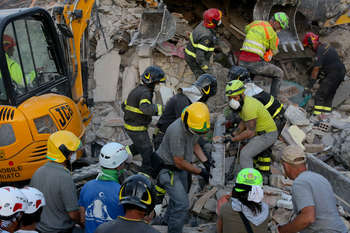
[(31, 61), (42, 77)]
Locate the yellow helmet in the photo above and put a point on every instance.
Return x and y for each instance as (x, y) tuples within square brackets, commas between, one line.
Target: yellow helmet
[(61, 144), (196, 118), (234, 87)]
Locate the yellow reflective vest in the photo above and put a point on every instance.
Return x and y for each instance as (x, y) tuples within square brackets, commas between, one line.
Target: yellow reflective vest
[(260, 37)]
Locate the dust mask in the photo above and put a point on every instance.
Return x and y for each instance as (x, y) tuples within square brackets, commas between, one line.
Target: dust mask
[(73, 157), (234, 104)]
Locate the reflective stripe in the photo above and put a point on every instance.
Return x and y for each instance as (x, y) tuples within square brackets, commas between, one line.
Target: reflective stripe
[(265, 28), (270, 102), (192, 54), (257, 51), (160, 109), (264, 168), (135, 128), (256, 43), (144, 101), (160, 191), (205, 67), (316, 112), (277, 111), (132, 109), (323, 108), (264, 159), (200, 46)]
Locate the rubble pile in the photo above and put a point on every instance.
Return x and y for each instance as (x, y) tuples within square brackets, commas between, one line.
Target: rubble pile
[(116, 71)]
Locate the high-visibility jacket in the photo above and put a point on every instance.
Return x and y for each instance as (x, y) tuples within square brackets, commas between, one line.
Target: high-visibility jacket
[(16, 72), (260, 37), (139, 109), (201, 45)]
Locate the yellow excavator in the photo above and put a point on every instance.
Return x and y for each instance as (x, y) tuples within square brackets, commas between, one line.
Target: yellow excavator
[(43, 82)]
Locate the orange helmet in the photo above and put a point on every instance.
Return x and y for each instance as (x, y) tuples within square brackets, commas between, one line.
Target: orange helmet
[(310, 38), (8, 42), (212, 17)]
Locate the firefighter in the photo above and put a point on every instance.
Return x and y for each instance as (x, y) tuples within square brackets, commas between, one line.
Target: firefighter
[(272, 105), (201, 90), (260, 44), (256, 123), (138, 111), (328, 63), (175, 153), (202, 41)]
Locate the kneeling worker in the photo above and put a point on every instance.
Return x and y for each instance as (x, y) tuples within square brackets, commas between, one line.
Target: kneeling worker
[(256, 123)]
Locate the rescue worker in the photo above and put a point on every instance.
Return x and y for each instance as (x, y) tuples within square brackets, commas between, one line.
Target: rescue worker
[(201, 90), (314, 202), (138, 111), (256, 123), (31, 216), (98, 200), (328, 63), (202, 41), (175, 153), (245, 208), (14, 68), (54, 180), (137, 195), (13, 204), (273, 106), (260, 44)]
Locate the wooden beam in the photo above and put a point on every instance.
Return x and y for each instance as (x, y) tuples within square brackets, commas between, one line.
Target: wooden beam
[(201, 202)]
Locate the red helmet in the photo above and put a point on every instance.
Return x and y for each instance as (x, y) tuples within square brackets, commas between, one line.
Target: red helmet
[(212, 17), (310, 38), (8, 42)]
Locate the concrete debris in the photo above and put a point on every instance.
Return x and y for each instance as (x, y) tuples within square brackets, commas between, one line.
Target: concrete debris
[(314, 148), (327, 135), (130, 78), (144, 63), (294, 136), (166, 93), (296, 115), (144, 51), (281, 215), (107, 71)]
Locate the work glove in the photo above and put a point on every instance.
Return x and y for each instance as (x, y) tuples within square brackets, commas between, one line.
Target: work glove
[(205, 174), (209, 164)]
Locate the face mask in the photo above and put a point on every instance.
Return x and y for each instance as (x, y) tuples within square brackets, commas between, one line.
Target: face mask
[(219, 23), (73, 157), (234, 104), (256, 194)]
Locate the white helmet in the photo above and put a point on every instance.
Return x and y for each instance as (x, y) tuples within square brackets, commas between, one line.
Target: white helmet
[(112, 155), (12, 201), (35, 199)]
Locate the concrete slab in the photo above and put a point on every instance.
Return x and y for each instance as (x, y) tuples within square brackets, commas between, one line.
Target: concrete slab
[(297, 135), (106, 74), (130, 78), (218, 154), (342, 93), (166, 93), (339, 182)]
